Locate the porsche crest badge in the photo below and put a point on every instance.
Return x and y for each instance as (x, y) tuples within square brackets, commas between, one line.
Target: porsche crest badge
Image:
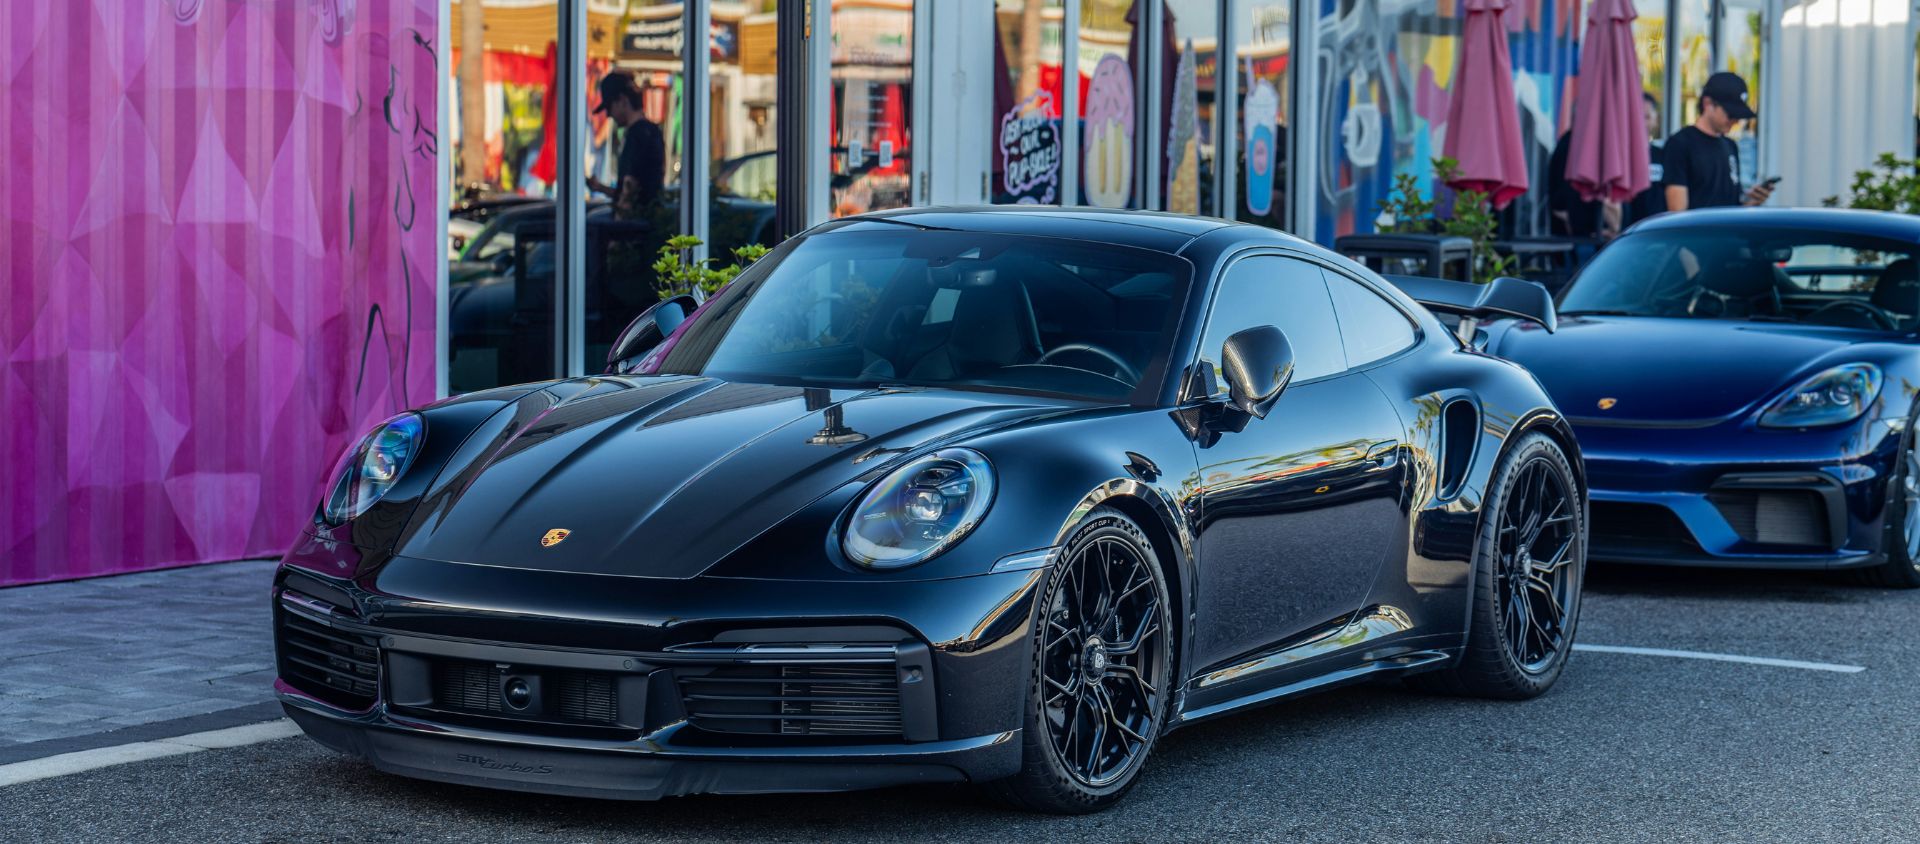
[(554, 537), (1605, 404)]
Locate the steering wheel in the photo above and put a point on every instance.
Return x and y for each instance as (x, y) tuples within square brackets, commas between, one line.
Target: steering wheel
[(1874, 312), (1115, 365), (1702, 301)]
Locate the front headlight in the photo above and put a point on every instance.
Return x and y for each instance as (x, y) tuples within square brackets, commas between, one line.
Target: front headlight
[(1837, 395), (919, 510), (372, 466)]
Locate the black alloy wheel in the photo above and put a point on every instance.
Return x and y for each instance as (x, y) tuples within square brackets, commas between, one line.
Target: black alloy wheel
[(1102, 662), (1536, 542), (1530, 562)]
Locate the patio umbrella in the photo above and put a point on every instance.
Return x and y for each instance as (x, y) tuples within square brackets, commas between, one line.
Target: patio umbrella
[(1483, 118), (1607, 154)]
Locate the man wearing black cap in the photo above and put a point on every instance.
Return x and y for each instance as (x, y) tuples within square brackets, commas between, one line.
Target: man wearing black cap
[(1701, 162), (643, 151)]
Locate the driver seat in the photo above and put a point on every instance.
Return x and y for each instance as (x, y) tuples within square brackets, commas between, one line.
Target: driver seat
[(1898, 291), (1750, 287), (993, 327)]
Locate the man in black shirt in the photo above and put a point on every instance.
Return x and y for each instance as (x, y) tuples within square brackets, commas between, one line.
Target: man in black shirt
[(643, 151), (1701, 162)]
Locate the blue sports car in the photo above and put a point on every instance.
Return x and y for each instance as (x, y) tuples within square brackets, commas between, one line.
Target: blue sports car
[(1743, 384)]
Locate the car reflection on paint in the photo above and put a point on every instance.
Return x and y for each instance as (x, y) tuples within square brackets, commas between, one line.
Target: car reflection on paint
[(986, 495)]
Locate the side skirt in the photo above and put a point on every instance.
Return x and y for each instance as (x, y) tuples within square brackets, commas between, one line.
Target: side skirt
[(1405, 662)]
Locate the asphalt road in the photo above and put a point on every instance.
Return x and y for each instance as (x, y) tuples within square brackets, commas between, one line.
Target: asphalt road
[(1626, 748)]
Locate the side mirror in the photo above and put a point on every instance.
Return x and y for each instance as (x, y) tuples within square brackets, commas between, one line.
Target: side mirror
[(1257, 363), (647, 331)]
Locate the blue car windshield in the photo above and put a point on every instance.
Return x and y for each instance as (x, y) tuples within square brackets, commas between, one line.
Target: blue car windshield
[(1822, 278), (871, 306)]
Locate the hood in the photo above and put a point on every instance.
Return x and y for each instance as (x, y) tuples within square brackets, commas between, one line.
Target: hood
[(663, 476), (1672, 370)]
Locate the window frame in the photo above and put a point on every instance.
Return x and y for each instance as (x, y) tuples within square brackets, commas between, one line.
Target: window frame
[(1196, 352)]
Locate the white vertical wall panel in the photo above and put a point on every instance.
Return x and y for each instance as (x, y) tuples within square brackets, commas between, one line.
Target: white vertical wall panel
[(958, 94), (1845, 78)]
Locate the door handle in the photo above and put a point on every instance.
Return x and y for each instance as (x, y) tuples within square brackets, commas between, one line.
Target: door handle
[(1383, 455)]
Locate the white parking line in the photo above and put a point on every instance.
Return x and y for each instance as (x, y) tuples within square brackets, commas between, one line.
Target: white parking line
[(1749, 660), (104, 757)]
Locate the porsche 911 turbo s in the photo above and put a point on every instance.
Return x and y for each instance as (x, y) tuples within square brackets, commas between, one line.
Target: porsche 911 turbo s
[(1743, 383), (993, 495)]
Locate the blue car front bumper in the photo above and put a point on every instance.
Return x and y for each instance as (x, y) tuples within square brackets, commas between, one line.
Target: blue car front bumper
[(1733, 494)]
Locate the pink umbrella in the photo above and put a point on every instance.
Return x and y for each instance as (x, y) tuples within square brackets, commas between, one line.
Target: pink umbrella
[(1607, 154), (1483, 118)]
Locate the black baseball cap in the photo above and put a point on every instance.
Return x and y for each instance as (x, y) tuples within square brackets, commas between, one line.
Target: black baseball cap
[(620, 83), (1730, 91)]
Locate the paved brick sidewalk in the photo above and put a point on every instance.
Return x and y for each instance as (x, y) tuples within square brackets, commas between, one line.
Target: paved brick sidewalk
[(96, 655)]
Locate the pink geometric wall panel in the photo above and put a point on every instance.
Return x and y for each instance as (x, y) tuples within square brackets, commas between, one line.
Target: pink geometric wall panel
[(217, 229)]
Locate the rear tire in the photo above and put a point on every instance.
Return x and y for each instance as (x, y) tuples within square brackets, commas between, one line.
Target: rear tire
[(1902, 568), (1530, 562), (1099, 687)]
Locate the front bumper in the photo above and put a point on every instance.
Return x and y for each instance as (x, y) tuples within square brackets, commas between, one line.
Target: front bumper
[(634, 688), (1735, 496)]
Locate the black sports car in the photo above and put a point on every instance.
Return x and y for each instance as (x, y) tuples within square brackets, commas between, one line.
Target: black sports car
[(997, 495)]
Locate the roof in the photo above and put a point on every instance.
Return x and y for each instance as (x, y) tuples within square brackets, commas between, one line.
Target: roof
[(1149, 229), (1841, 220)]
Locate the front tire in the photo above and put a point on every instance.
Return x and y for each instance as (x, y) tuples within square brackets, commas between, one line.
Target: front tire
[(1099, 688), (1529, 565), (1902, 537)]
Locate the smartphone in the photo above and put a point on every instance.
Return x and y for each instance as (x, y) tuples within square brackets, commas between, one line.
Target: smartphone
[(1770, 182)]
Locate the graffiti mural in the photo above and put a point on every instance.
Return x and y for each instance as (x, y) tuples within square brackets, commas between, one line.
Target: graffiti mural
[(216, 230), (1385, 70)]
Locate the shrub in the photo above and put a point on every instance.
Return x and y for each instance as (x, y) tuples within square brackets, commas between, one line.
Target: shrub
[(679, 273), (1891, 184)]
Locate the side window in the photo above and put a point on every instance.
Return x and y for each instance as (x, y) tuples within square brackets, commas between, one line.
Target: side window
[(1280, 292), (1370, 327)]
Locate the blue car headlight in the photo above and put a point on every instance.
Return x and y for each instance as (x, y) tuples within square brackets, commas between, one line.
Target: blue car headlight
[(372, 466), (1837, 395), (919, 510)]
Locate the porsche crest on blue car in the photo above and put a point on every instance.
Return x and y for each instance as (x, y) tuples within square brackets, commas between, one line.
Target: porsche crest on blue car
[(995, 495), (1743, 384)]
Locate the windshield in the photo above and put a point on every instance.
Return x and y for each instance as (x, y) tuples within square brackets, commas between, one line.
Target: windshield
[(935, 308), (1821, 278)]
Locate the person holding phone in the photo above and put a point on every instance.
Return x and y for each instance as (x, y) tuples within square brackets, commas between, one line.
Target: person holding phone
[(643, 151), (1701, 162)]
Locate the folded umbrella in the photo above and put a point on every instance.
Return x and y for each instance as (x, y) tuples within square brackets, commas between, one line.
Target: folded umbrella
[(1607, 154), (1483, 117)]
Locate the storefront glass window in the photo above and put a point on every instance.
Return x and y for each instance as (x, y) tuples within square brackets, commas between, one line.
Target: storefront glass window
[(634, 157), (1191, 64), (871, 120), (742, 121), (1650, 42), (1109, 58), (1695, 56), (1027, 99), (1263, 57), (1742, 23), (500, 226)]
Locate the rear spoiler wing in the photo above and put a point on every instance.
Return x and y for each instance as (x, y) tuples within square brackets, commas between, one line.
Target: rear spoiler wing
[(1502, 297)]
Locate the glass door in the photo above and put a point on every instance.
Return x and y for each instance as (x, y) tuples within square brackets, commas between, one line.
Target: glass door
[(870, 118), (500, 225)]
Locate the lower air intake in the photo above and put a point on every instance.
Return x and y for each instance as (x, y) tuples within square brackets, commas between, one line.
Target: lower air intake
[(803, 698)]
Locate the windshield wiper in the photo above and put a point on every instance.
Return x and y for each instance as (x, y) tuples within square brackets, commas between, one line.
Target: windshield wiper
[(1599, 312)]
